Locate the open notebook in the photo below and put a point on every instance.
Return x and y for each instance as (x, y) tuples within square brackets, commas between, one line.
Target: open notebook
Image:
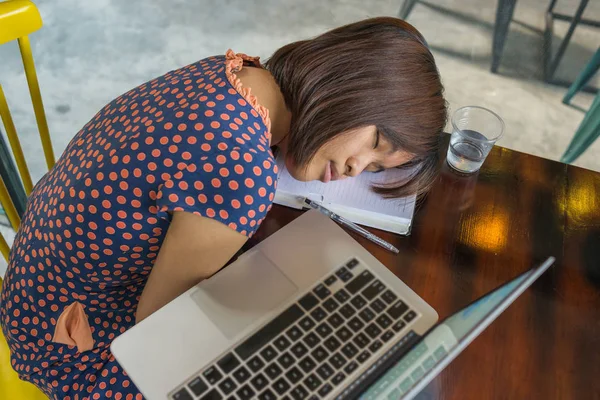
[(351, 198)]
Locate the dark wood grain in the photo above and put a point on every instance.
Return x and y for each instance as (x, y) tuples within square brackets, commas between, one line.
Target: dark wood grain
[(472, 234)]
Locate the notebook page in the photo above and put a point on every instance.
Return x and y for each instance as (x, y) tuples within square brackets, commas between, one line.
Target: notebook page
[(351, 192)]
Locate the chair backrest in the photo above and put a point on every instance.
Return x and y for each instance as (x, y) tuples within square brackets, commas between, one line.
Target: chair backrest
[(19, 18)]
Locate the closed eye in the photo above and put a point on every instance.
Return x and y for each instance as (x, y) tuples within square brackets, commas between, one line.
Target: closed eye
[(409, 164), (376, 139), (374, 168)]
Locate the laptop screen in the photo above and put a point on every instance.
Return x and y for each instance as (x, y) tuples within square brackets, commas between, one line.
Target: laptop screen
[(413, 366)]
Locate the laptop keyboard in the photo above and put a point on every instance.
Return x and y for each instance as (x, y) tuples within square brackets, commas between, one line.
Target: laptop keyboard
[(312, 346)]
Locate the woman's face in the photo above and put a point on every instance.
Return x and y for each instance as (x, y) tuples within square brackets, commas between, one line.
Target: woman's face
[(349, 154)]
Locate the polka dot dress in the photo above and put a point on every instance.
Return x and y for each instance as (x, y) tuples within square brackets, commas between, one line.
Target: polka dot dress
[(193, 140)]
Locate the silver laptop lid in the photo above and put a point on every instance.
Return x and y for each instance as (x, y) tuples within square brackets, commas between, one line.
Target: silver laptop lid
[(446, 340)]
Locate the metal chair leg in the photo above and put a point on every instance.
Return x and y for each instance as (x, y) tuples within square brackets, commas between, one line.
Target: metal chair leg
[(504, 14), (406, 8), (551, 69), (586, 134), (590, 69)]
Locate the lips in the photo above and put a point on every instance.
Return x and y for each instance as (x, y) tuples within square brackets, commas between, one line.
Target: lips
[(327, 174), (330, 173), (334, 174)]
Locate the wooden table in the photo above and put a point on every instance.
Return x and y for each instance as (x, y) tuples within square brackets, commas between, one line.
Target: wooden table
[(470, 235)]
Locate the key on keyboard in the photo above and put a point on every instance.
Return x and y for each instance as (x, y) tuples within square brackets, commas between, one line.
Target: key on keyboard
[(311, 340), (198, 386), (227, 386)]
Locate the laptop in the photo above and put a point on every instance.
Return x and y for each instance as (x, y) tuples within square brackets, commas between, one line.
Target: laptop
[(308, 313)]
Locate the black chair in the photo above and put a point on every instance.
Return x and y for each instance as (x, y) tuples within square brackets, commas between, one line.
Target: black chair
[(504, 14)]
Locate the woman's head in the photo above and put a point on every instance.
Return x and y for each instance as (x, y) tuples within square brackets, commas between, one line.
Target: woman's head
[(363, 97)]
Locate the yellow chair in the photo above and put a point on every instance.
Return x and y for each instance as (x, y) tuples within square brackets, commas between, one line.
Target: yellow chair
[(19, 18)]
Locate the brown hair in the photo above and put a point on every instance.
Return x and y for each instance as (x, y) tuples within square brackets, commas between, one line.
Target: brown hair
[(374, 72)]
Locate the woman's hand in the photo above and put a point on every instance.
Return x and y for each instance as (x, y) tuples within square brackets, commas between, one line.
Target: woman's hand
[(194, 249)]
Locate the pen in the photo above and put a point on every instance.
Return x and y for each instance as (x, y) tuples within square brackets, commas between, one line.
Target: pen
[(351, 225)]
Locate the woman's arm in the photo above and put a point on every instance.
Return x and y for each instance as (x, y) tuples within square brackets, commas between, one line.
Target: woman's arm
[(194, 249)]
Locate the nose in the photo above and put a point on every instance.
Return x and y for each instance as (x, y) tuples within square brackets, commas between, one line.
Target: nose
[(353, 167)]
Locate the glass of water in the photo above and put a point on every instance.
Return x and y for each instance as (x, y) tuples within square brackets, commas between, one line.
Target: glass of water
[(474, 132)]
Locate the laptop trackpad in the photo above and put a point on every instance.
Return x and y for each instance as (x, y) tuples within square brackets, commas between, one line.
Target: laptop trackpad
[(239, 295)]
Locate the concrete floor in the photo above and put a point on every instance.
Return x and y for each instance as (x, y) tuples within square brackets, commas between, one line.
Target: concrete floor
[(89, 52)]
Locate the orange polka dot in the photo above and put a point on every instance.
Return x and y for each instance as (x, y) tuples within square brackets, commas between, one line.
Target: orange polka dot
[(226, 134), (249, 182), (235, 204), (207, 167), (224, 117), (218, 199), (257, 171), (215, 125), (216, 182), (243, 220), (198, 126), (223, 214), (224, 172), (247, 157), (205, 147), (181, 127), (209, 113), (230, 107), (198, 185), (248, 199), (210, 212), (262, 192), (202, 198)]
